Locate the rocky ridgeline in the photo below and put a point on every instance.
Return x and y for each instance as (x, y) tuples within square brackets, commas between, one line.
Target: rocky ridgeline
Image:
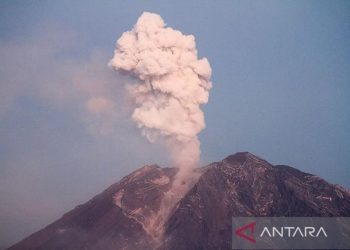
[(124, 216)]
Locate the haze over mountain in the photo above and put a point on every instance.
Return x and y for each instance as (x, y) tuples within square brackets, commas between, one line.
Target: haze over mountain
[(280, 75), (124, 216)]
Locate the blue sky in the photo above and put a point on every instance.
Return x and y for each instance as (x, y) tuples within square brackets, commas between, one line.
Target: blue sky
[(281, 72)]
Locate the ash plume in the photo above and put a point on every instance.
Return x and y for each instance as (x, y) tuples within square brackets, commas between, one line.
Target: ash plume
[(172, 85)]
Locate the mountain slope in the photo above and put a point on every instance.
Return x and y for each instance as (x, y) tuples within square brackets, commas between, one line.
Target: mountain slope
[(122, 217), (245, 185)]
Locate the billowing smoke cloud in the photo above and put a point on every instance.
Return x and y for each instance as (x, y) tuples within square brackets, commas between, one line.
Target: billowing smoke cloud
[(173, 83)]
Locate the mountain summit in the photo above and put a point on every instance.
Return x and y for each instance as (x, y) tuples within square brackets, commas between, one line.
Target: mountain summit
[(124, 215)]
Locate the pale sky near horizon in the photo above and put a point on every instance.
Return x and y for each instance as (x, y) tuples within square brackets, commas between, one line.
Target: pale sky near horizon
[(281, 72)]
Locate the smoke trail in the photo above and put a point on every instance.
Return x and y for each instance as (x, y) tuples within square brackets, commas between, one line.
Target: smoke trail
[(173, 84)]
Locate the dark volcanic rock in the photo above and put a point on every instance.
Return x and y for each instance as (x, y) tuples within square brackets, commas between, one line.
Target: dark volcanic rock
[(240, 185), (245, 185), (113, 219)]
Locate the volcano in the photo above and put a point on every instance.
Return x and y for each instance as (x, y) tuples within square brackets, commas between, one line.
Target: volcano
[(122, 217)]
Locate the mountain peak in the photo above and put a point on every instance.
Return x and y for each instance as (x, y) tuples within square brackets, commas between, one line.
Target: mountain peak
[(241, 157), (244, 161), (124, 215)]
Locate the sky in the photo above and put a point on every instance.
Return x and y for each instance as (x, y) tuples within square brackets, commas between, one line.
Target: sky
[(280, 74)]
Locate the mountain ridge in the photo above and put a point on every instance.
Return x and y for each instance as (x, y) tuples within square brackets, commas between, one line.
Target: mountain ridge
[(242, 184)]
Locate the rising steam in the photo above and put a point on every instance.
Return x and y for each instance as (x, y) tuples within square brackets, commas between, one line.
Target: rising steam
[(173, 84)]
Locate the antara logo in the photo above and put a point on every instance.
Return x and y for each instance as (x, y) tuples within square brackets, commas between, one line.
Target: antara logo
[(290, 233), (293, 232), (251, 228), (247, 232)]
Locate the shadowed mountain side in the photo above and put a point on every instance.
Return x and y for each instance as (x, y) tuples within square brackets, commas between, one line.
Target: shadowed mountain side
[(245, 185), (240, 185)]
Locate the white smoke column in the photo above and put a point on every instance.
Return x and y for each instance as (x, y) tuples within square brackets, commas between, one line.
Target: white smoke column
[(173, 84)]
